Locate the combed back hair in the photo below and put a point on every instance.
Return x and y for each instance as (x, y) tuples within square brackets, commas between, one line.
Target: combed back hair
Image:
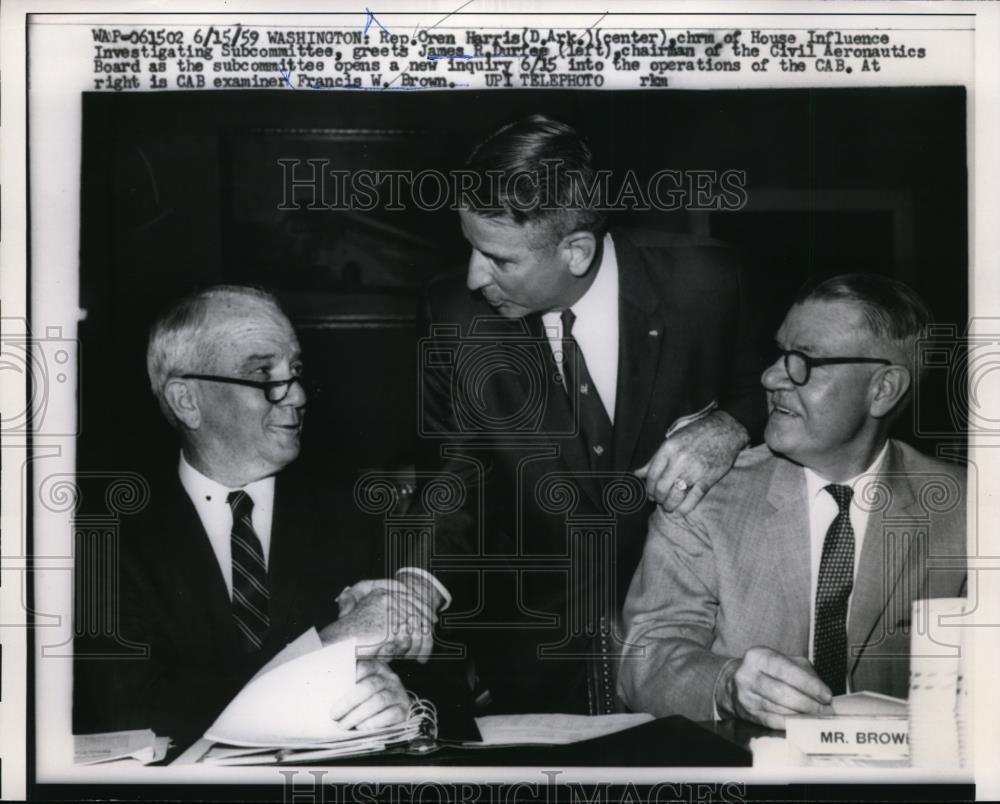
[(539, 171), (180, 340), (892, 311)]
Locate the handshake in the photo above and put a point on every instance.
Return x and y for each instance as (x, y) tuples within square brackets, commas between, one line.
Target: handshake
[(390, 618)]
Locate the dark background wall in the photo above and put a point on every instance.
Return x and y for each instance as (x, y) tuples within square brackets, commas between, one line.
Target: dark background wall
[(181, 190)]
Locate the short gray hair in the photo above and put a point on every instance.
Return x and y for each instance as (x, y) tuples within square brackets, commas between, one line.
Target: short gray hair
[(893, 312), (177, 340)]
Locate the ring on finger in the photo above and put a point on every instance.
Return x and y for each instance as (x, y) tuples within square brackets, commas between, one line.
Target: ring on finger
[(681, 485)]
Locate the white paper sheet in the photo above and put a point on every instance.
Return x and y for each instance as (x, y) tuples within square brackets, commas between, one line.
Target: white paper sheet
[(288, 703), (552, 729), (869, 703)]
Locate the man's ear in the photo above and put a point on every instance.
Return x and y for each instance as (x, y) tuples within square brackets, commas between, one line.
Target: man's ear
[(888, 388), (578, 249), (183, 402)]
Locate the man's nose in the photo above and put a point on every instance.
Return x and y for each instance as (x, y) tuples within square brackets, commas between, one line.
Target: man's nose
[(478, 276), (775, 376), (296, 394)]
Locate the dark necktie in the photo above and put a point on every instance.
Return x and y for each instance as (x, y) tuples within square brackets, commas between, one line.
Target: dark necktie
[(595, 424), (250, 595), (833, 588)]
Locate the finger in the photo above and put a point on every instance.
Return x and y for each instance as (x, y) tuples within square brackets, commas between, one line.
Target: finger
[(365, 587), (385, 694), (407, 604), (656, 468), (771, 720), (693, 497), (351, 698), (775, 708), (346, 602), (674, 494), (423, 644), (385, 652), (411, 626), (368, 667), (429, 597), (400, 645), (377, 699), (389, 716), (781, 695), (801, 677)]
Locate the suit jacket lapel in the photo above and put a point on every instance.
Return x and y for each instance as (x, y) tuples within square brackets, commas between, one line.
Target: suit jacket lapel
[(292, 526), (640, 341), (198, 572), (878, 573), (558, 415), (787, 531)]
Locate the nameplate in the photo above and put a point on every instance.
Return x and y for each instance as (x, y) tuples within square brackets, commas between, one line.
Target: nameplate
[(874, 737)]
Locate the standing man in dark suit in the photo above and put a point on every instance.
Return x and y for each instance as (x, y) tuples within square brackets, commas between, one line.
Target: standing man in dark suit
[(237, 557), (793, 580), (549, 380)]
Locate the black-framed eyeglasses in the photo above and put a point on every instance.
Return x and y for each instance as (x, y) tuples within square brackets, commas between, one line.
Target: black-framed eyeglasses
[(274, 391), (798, 366)]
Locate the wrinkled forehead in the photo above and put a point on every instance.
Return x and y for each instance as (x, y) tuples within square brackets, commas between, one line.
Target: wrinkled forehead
[(241, 326), (503, 232), (825, 326)]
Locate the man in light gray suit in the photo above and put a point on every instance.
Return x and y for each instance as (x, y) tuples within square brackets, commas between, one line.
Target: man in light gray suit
[(793, 580)]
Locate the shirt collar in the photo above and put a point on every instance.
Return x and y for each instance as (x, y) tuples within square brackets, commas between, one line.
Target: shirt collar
[(815, 484), (200, 487)]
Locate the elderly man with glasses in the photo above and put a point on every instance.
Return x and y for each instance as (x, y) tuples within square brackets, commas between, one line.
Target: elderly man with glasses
[(792, 581), (235, 556)]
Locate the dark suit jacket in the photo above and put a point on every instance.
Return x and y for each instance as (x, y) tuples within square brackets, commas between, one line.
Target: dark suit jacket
[(735, 573), (173, 600), (542, 549)]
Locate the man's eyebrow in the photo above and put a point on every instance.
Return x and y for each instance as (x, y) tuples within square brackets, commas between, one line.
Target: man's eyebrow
[(795, 347), (254, 360), (498, 257)]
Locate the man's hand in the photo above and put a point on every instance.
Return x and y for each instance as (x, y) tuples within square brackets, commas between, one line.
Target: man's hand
[(766, 686), (693, 460), (377, 700), (386, 618)]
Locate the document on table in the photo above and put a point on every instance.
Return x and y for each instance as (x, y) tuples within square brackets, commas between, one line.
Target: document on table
[(552, 729), (140, 745), (287, 703)]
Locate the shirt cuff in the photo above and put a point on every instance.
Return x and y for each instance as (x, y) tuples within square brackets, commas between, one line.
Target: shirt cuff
[(719, 679), (424, 574)]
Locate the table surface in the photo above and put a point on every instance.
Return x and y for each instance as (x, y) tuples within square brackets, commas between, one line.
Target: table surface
[(666, 742)]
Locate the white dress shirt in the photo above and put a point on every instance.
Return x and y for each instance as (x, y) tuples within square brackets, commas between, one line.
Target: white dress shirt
[(822, 511), (595, 328), (209, 498)]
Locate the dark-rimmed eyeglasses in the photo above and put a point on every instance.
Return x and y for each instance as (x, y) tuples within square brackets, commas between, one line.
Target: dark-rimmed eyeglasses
[(798, 366), (274, 391)]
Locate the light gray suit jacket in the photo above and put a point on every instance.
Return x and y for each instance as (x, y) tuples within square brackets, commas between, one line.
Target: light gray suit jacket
[(735, 573)]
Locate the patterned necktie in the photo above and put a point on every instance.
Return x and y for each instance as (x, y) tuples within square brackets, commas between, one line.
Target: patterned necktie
[(250, 595), (595, 424), (833, 588)]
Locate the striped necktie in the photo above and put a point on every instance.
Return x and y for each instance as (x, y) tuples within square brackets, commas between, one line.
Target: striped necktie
[(833, 588), (250, 595)]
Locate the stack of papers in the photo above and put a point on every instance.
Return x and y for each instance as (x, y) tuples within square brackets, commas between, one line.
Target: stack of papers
[(283, 712), (141, 745), (287, 704), (935, 651)]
